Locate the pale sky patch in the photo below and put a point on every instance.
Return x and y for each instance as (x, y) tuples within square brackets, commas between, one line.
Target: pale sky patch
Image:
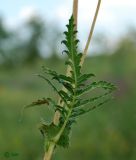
[(28, 12), (114, 18)]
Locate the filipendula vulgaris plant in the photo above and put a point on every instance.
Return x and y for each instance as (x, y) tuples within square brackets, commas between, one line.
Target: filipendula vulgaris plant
[(72, 102)]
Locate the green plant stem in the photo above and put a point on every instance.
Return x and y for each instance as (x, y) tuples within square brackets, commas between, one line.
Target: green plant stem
[(49, 152), (52, 144), (63, 127)]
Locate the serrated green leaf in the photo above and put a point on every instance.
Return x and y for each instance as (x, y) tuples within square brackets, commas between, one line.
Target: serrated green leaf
[(59, 77), (64, 138), (54, 88), (90, 100), (49, 131), (66, 78), (75, 86), (65, 95), (65, 51), (49, 71), (100, 104), (85, 77), (79, 112), (39, 102), (71, 45), (69, 87), (101, 84)]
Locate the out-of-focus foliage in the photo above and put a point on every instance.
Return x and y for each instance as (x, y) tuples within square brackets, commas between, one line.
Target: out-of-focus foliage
[(5, 36), (30, 47), (125, 53), (27, 43)]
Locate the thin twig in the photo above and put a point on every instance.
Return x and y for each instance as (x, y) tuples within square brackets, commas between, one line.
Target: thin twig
[(75, 12), (91, 32)]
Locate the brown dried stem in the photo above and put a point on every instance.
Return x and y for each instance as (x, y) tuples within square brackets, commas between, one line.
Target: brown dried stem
[(91, 32)]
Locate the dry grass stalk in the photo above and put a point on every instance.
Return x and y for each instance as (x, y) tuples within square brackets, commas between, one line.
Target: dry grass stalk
[(91, 32)]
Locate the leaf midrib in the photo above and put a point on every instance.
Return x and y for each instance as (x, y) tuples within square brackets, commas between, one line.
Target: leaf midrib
[(72, 54)]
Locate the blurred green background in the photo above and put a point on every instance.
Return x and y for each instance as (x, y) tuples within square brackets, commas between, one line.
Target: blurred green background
[(107, 133)]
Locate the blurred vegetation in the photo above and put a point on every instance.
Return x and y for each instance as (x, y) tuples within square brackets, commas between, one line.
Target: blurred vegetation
[(106, 133), (28, 43)]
